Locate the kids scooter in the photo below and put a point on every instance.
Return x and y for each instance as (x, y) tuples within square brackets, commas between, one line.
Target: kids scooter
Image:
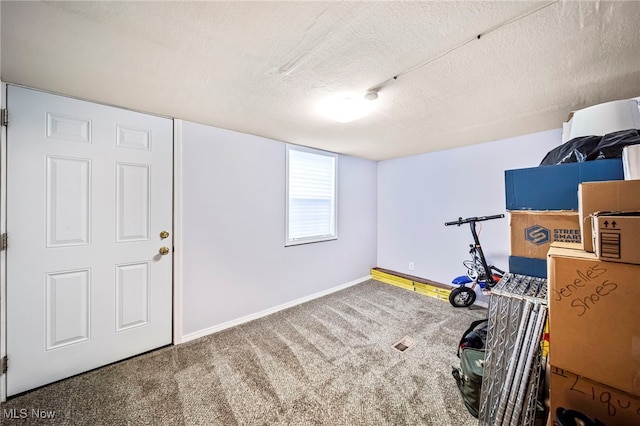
[(463, 296)]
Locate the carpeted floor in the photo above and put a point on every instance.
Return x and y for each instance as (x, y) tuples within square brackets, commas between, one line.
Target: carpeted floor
[(325, 362)]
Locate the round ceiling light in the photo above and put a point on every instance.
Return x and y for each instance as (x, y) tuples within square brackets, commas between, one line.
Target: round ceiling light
[(346, 108)]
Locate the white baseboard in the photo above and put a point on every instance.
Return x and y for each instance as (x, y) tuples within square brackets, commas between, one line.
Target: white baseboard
[(210, 330)]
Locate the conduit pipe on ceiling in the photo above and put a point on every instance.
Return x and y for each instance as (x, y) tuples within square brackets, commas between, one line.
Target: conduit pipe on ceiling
[(377, 87)]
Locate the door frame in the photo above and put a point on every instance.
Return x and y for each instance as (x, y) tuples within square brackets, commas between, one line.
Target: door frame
[(177, 231), (177, 228), (3, 253)]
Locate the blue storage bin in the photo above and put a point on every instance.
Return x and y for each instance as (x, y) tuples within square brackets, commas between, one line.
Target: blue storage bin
[(528, 266), (556, 187)]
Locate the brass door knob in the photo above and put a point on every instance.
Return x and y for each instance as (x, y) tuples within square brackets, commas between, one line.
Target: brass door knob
[(164, 234), (164, 250)]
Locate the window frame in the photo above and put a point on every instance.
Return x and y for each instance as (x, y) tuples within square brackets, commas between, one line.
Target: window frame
[(313, 239)]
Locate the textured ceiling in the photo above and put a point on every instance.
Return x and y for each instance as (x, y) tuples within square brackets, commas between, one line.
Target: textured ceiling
[(262, 67)]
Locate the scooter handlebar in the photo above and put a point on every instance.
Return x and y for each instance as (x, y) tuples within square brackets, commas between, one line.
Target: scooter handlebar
[(462, 221)]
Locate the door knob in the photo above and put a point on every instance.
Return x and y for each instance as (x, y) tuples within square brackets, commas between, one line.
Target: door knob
[(164, 250), (164, 234)]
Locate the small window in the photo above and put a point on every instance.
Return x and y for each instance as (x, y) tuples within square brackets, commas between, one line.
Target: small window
[(311, 196)]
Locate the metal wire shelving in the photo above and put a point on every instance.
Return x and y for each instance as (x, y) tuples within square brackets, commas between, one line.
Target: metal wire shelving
[(513, 359)]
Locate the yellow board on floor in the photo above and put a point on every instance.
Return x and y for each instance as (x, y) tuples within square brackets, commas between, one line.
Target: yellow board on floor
[(392, 279), (433, 291), (407, 284)]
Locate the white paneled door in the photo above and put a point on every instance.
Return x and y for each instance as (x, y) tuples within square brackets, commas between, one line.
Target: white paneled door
[(89, 216)]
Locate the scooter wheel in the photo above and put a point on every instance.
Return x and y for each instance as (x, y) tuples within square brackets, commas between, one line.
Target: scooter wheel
[(462, 297)]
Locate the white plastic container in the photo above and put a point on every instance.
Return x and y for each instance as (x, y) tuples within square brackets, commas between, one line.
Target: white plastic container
[(631, 162), (604, 118)]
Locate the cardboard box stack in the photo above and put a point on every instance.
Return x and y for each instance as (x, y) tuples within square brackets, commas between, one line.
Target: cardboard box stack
[(543, 208), (594, 299)]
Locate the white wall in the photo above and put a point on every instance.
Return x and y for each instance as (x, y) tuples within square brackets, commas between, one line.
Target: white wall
[(390, 213), (235, 263), (418, 194)]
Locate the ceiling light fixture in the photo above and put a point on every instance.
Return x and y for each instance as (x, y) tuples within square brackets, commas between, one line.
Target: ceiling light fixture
[(371, 95), (348, 107)]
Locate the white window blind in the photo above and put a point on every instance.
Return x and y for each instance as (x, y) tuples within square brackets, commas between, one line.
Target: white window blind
[(311, 195)]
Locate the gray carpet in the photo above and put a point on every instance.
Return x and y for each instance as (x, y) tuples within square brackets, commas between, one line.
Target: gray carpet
[(325, 362)]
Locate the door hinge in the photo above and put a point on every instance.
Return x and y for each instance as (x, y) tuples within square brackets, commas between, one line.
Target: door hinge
[(4, 117), (3, 365), (4, 241)]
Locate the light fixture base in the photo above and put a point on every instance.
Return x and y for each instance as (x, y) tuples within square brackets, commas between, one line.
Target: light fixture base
[(371, 95)]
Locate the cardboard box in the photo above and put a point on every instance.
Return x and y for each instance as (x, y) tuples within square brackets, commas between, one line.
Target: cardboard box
[(532, 232), (607, 196), (555, 187), (593, 318), (616, 236), (609, 405)]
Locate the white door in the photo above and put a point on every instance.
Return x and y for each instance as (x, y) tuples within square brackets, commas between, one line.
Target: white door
[(89, 192)]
